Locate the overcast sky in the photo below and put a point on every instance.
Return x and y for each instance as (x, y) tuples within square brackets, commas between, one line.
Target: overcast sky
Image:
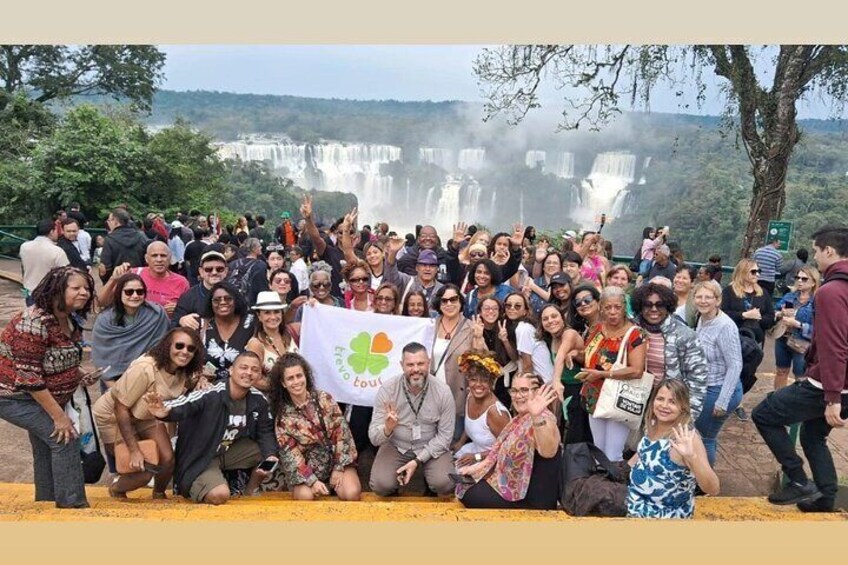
[(374, 72)]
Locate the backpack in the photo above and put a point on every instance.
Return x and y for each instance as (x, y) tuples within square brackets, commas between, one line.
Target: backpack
[(590, 484), (241, 272), (752, 356), (636, 262)]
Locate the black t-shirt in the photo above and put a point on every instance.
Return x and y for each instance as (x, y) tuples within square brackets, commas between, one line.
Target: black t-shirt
[(236, 425), (193, 252), (334, 257)]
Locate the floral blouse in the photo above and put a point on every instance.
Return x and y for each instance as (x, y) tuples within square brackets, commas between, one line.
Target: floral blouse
[(601, 353), (314, 440)]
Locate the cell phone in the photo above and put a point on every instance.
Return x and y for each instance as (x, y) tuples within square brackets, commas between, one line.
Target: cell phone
[(788, 304), (269, 465), (461, 479), (581, 375)]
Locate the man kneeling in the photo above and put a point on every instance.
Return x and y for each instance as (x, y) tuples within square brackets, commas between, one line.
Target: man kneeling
[(224, 427), (413, 425)]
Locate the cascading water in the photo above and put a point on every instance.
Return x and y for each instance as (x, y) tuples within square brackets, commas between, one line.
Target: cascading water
[(472, 159), (564, 166), (535, 158), (437, 156), (611, 174)]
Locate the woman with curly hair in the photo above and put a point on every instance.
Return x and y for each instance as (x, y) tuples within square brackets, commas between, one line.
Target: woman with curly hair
[(122, 415), (318, 452), (358, 295), (485, 415), (40, 356)]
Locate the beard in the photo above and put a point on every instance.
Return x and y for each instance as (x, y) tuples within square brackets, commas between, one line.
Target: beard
[(416, 380)]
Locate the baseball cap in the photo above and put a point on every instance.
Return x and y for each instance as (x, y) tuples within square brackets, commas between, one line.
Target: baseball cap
[(212, 255), (561, 278), (570, 234), (428, 257), (176, 224)]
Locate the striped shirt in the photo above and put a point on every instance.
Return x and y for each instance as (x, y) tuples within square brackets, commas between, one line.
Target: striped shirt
[(769, 260), (719, 338)]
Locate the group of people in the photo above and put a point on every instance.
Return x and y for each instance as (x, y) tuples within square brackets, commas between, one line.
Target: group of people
[(205, 349)]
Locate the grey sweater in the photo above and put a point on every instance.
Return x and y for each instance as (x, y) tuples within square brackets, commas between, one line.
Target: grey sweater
[(720, 340)]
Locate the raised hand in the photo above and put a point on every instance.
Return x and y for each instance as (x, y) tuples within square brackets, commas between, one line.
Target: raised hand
[(538, 403), (517, 238), (477, 327), (395, 244), (306, 207), (391, 419), (459, 230), (155, 405), (541, 253), (683, 440)]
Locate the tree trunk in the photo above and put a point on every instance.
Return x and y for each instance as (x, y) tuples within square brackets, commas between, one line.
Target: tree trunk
[(769, 197)]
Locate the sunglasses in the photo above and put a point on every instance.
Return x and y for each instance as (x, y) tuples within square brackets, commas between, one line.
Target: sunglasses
[(358, 280), (450, 299), (578, 302), (521, 391), (477, 255), (755, 271), (653, 306), (214, 269), (320, 285), (513, 305), (136, 291), (802, 279), (190, 347), (283, 281), (222, 300)]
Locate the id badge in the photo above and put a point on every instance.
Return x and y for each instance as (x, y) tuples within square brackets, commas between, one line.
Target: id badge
[(416, 431)]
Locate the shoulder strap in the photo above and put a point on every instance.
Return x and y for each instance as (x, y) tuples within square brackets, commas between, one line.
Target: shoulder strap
[(621, 359), (91, 416)]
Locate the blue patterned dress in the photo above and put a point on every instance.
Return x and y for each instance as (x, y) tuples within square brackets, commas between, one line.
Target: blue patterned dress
[(659, 487)]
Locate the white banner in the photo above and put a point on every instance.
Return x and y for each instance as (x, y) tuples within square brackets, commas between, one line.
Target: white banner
[(352, 352)]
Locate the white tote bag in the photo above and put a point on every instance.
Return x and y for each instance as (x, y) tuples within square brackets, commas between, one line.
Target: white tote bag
[(624, 400)]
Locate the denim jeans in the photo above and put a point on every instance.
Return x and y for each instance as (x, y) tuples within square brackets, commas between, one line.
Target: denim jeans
[(708, 425), (57, 467), (785, 358), (800, 402)]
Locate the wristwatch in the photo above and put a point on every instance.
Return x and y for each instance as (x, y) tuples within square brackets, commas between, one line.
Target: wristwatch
[(477, 457)]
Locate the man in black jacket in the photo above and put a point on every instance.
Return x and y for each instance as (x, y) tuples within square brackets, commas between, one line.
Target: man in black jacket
[(68, 243), (226, 426), (124, 244), (213, 269), (427, 239)]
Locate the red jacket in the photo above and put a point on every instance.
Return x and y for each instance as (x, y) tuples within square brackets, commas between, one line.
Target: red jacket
[(828, 355)]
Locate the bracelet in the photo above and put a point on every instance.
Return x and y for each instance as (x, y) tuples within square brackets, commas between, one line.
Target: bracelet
[(477, 457)]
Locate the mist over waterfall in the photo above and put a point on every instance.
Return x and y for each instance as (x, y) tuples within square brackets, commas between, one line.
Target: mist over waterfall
[(535, 158), (438, 156), (472, 159), (611, 174)]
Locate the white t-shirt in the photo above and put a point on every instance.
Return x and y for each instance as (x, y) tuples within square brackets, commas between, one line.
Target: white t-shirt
[(440, 348), (525, 335)]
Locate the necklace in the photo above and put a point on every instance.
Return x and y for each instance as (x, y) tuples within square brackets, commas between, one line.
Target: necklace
[(453, 329)]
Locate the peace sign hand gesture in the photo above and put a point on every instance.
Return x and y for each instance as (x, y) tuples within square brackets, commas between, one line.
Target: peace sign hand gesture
[(503, 335), (517, 235), (538, 403), (683, 440), (391, 419), (477, 327)]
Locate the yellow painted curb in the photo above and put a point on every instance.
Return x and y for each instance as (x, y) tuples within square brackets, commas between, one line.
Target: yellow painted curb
[(17, 505)]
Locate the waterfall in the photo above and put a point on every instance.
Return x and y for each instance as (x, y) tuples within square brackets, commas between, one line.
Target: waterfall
[(564, 167), (493, 205), (521, 208), (611, 174), (534, 159), (353, 168), (645, 164), (471, 202), (437, 156), (471, 159), (447, 209), (407, 195)]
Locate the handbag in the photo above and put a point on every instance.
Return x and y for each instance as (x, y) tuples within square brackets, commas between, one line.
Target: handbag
[(93, 461), (624, 400), (590, 484), (122, 456), (798, 344)]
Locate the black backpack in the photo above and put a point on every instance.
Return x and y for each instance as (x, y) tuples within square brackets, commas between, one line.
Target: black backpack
[(241, 273), (752, 356)]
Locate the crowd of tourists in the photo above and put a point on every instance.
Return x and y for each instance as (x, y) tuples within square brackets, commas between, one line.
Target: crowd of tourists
[(540, 348)]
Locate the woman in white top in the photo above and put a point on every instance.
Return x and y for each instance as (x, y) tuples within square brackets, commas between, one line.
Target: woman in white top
[(485, 416), (272, 338)]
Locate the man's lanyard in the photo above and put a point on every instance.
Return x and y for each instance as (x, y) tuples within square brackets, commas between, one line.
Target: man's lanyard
[(412, 407)]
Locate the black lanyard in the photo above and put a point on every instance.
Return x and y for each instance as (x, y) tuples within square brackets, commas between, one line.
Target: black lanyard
[(420, 402)]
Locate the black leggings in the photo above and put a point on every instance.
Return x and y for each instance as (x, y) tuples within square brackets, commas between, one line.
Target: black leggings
[(542, 494)]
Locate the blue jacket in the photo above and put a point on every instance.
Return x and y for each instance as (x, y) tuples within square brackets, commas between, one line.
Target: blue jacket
[(804, 314)]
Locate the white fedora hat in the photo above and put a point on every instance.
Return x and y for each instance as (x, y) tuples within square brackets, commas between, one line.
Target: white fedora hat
[(268, 300)]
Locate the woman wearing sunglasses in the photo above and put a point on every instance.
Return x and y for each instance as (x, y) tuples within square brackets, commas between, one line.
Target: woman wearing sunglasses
[(522, 468), (122, 414), (584, 311), (226, 329), (795, 310), (746, 302), (358, 295), (126, 330), (320, 285)]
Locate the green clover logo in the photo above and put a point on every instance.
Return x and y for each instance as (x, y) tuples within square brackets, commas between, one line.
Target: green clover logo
[(369, 354)]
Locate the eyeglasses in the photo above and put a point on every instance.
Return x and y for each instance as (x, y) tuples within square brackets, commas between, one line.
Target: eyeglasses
[(521, 391), (585, 301), (513, 306), (490, 309), (320, 285), (450, 299), (653, 306), (283, 281), (755, 271), (358, 280), (190, 347), (214, 269), (802, 279), (222, 300), (385, 299), (136, 291)]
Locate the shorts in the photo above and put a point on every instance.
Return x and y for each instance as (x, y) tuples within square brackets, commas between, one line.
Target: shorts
[(242, 454)]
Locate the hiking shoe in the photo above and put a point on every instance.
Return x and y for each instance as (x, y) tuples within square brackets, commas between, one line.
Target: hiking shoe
[(820, 505), (742, 414), (794, 493)]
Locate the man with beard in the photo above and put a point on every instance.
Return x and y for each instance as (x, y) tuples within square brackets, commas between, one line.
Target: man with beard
[(413, 425)]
